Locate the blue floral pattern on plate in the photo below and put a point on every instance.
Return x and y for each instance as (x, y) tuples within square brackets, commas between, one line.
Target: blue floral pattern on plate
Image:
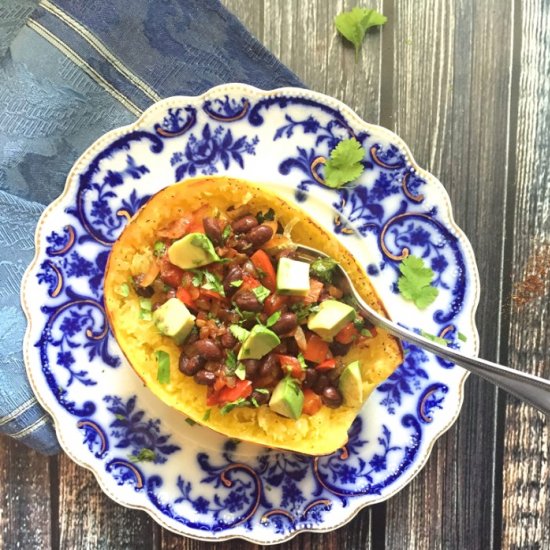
[(145, 455)]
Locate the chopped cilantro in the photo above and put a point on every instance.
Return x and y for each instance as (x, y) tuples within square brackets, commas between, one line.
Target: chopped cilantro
[(213, 282), (240, 371), (268, 216), (124, 290), (120, 417), (159, 249), (206, 416), (240, 333), (198, 277), (434, 338), (344, 164), (190, 421), (462, 337), (415, 282), (262, 390), (353, 25), (365, 332), (236, 284), (272, 319), (145, 315), (302, 361), (304, 311), (261, 293), (163, 366), (231, 361), (323, 269), (254, 402), (226, 233), (241, 402), (145, 304), (144, 455)]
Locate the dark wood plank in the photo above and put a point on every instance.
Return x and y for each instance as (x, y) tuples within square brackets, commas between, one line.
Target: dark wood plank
[(451, 98), (89, 519), (526, 486), (24, 497)]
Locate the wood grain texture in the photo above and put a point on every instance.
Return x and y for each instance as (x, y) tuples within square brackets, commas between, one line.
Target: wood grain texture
[(526, 484), (89, 519), (24, 497), (451, 105)]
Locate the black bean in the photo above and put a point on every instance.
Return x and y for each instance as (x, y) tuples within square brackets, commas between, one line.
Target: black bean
[(227, 340), (144, 291), (190, 365), (208, 349), (249, 269), (252, 366), (339, 349), (292, 346), (321, 383), (205, 378), (213, 230), (244, 224), (311, 378), (241, 245), (286, 323), (270, 367), (259, 235), (332, 397), (260, 397), (234, 274), (247, 301)]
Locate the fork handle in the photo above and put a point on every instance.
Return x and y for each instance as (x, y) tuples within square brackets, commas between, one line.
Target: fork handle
[(528, 387)]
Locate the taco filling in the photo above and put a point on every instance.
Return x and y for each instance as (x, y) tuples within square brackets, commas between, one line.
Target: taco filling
[(223, 321)]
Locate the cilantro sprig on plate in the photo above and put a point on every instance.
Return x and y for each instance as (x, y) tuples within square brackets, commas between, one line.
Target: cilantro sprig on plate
[(415, 282)]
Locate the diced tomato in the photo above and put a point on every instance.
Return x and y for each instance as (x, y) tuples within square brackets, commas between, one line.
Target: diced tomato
[(312, 402), (219, 383), (317, 349), (169, 273), (315, 288), (274, 303), (291, 365), (328, 364), (183, 295), (262, 262), (347, 335), (243, 388), (213, 399), (176, 229), (211, 294), (196, 226), (249, 282)]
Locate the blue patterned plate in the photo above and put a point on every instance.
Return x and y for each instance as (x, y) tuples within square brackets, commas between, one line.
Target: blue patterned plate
[(144, 455)]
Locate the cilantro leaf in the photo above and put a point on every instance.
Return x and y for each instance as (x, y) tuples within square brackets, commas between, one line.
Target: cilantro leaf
[(303, 311), (434, 338), (272, 319), (302, 361), (159, 249), (226, 233), (462, 337), (261, 293), (236, 284), (163, 366), (344, 164), (241, 402), (206, 415), (323, 269), (240, 333), (415, 282), (213, 282), (353, 25), (144, 455), (198, 277), (231, 361), (190, 421)]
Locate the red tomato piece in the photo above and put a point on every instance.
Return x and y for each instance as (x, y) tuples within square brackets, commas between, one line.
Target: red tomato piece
[(312, 402), (184, 295), (262, 262), (347, 335), (317, 349), (274, 303), (242, 389), (249, 282), (326, 365), (291, 365)]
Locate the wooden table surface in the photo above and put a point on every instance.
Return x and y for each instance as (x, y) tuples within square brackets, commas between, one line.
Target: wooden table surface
[(466, 84)]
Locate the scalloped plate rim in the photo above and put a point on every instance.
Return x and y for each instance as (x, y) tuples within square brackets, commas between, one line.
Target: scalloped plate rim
[(469, 255)]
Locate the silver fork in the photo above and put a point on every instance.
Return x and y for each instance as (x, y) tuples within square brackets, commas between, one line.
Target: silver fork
[(528, 387)]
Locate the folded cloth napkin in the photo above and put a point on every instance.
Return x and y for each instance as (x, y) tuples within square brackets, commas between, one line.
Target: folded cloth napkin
[(69, 72)]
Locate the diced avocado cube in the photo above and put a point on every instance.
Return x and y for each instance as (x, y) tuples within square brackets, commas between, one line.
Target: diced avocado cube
[(173, 319), (260, 342), (292, 277), (331, 318), (287, 398), (193, 250), (351, 385)]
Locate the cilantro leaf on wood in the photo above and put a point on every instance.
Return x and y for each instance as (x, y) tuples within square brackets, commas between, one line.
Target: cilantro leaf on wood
[(415, 282), (353, 25), (344, 164)]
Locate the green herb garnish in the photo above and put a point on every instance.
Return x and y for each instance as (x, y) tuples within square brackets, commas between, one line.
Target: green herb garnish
[(226, 233), (261, 293), (462, 337), (144, 455), (353, 25), (241, 402), (302, 361), (213, 282), (323, 269), (262, 390), (240, 333), (124, 290), (190, 421), (231, 361), (415, 283), (163, 366), (365, 332), (304, 311), (434, 338), (236, 284), (145, 304), (344, 164), (272, 319), (159, 249), (206, 416)]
